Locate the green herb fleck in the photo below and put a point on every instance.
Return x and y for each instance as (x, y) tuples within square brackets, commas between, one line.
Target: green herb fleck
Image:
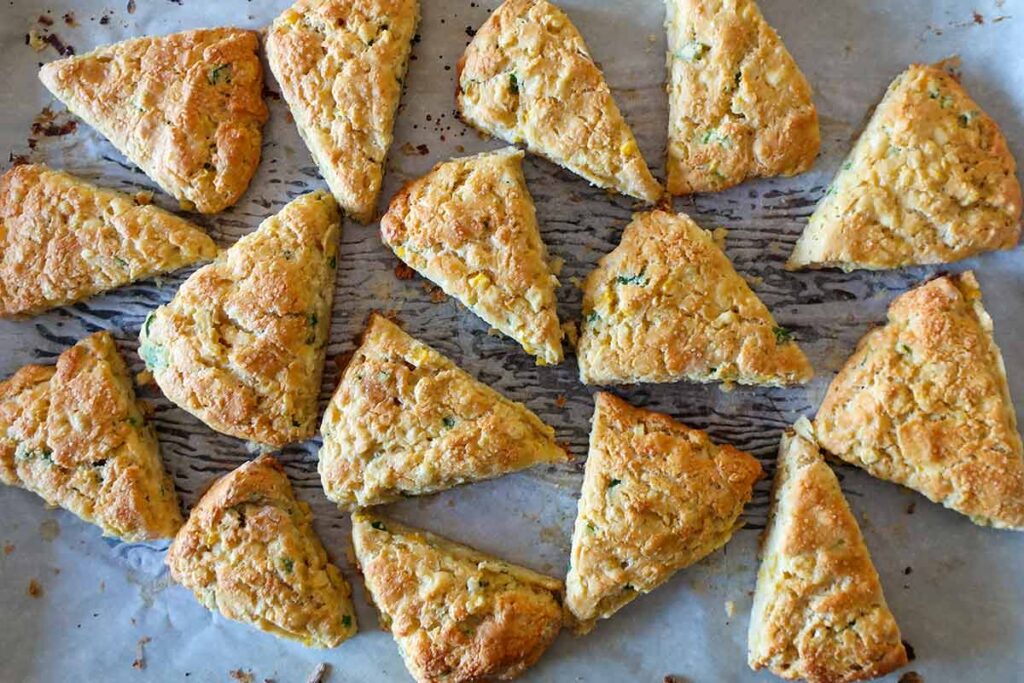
[(946, 102), (848, 165), (379, 526), (902, 348), (513, 84), (148, 322), (313, 319), (383, 376), (333, 263), (966, 118), (591, 527), (639, 280), (154, 355), (613, 483), (133, 421), (449, 422), (346, 621), (693, 51), (592, 317), (288, 564), (782, 335), (220, 74)]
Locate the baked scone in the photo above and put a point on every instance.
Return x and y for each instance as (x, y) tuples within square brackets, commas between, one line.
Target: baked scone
[(819, 613), (667, 305), (405, 421), (241, 345), (63, 240), (528, 78), (249, 551), (185, 108), (75, 435), (739, 107), (457, 614), (469, 225), (657, 497), (924, 402), (340, 64), (931, 180)]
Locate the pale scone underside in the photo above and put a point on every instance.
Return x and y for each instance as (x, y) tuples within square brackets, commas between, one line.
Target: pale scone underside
[(819, 613), (739, 107), (667, 305), (340, 64), (528, 78), (924, 402), (75, 435), (249, 551), (456, 614), (931, 180), (405, 421), (469, 225), (186, 108), (241, 345)]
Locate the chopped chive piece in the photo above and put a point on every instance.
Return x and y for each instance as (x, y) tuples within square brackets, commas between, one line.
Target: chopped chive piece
[(638, 279), (613, 483), (693, 51), (513, 84), (448, 422), (379, 526), (346, 621), (220, 74), (782, 335), (288, 564)]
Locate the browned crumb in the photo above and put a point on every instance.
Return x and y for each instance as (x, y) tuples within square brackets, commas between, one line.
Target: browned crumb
[(911, 677), (560, 401), (143, 378), (131, 6), (241, 676), (8, 548), (404, 272), (436, 293), (35, 590), (69, 19), (144, 197), (911, 506), (140, 653)]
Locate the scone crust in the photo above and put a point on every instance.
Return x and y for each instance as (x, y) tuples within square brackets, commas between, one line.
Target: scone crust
[(527, 77), (739, 107), (667, 305), (340, 64), (470, 226), (186, 108)]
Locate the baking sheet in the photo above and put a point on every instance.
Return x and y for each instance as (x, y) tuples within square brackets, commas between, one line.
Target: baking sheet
[(955, 588)]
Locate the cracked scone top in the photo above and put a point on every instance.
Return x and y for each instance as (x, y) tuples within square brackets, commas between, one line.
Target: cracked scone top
[(249, 551), (405, 421), (469, 225), (657, 497), (187, 108), (527, 77), (457, 614), (739, 107), (241, 345), (340, 64), (75, 435), (819, 613), (924, 402), (667, 305), (930, 180)]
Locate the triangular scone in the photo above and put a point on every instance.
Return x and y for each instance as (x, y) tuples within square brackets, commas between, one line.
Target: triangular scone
[(931, 180), (457, 614), (185, 108), (241, 345), (249, 551), (63, 240), (819, 613), (405, 421), (75, 435), (739, 107), (924, 402), (528, 78), (340, 64), (469, 225), (667, 305), (657, 496)]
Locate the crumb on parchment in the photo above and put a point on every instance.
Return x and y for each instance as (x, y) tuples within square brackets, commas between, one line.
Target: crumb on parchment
[(35, 589)]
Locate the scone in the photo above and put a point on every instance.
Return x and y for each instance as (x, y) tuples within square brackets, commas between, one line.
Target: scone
[(819, 613), (667, 305), (63, 240), (457, 614), (469, 225), (739, 107), (249, 551), (924, 402), (340, 64), (405, 421), (75, 435), (185, 108), (528, 78), (931, 180), (241, 345), (657, 497)]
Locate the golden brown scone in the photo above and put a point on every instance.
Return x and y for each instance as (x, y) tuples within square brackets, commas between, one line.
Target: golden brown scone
[(469, 225), (457, 614), (340, 64), (931, 180), (739, 107), (241, 345), (63, 240), (75, 435), (667, 305), (819, 613), (185, 108), (528, 78), (405, 421), (249, 551), (657, 497), (923, 402)]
